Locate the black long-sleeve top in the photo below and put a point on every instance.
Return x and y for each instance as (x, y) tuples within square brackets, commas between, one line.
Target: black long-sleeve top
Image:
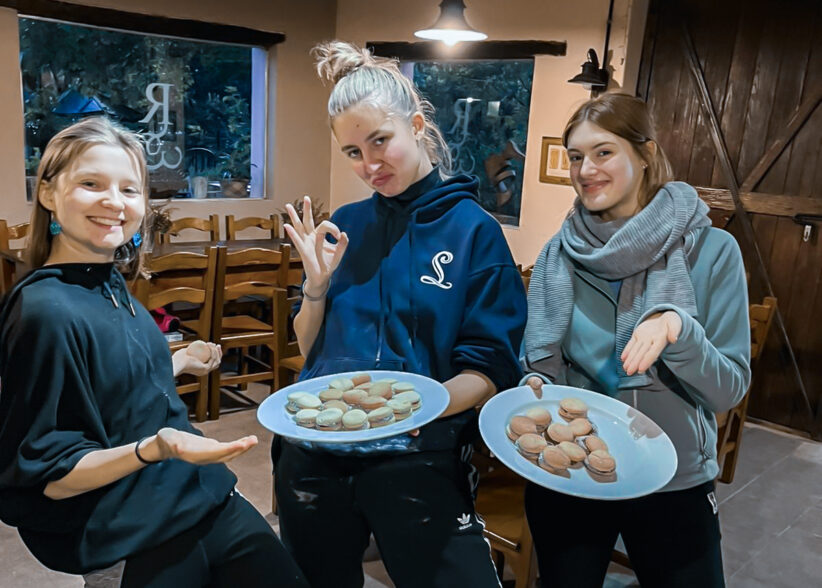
[(79, 374)]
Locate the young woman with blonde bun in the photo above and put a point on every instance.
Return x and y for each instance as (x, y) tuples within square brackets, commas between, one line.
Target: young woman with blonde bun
[(416, 278)]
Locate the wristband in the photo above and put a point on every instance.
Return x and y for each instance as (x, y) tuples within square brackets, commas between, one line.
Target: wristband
[(322, 294), (137, 452)]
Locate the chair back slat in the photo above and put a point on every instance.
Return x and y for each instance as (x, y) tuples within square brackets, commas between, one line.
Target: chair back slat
[(210, 225), (234, 225), (191, 295)]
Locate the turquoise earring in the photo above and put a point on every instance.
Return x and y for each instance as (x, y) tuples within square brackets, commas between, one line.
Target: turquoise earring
[(137, 239), (54, 227)]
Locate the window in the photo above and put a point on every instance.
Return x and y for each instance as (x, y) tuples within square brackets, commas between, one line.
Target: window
[(482, 108), (198, 105)]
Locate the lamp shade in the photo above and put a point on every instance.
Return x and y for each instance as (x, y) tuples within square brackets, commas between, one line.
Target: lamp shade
[(591, 76), (451, 27)]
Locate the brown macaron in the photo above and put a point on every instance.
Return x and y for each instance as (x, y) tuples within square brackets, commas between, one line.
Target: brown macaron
[(365, 386), (339, 404), (600, 462), (594, 443), (553, 458), (355, 420), (354, 397), (358, 379), (381, 389), (531, 445), (331, 394), (572, 408), (369, 403), (557, 432), (518, 426), (540, 416), (379, 417), (581, 426), (573, 451)]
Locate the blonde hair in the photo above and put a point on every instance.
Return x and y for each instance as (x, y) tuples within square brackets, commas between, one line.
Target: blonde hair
[(360, 77), (62, 150), (627, 117)]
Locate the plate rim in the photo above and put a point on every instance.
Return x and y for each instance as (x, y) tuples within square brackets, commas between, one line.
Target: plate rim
[(348, 437), (485, 418)]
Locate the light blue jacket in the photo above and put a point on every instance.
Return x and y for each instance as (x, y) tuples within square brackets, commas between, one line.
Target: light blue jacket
[(706, 371)]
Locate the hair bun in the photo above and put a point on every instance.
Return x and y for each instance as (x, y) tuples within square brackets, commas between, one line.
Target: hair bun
[(337, 59)]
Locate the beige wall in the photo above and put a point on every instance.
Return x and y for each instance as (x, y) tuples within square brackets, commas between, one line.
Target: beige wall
[(299, 162), (580, 23)]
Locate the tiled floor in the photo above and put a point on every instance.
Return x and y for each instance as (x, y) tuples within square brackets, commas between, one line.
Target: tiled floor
[(771, 515)]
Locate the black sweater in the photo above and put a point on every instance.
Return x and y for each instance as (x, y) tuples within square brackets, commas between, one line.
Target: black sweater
[(78, 374)]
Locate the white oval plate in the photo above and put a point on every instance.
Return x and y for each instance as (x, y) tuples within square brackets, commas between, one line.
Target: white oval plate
[(274, 417), (645, 456)]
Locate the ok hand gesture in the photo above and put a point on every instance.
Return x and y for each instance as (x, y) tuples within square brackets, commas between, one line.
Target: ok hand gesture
[(319, 257)]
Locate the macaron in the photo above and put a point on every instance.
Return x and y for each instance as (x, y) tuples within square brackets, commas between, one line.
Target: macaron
[(360, 379), (341, 384), (331, 394), (306, 417), (518, 426), (402, 387), (355, 420), (336, 404), (540, 416), (573, 451), (354, 397), (557, 432), (369, 403), (593, 443), (379, 417), (401, 408), (381, 389), (572, 408), (600, 462), (308, 401), (531, 445), (581, 426), (329, 419), (411, 396), (391, 381), (291, 406), (364, 386), (554, 459)]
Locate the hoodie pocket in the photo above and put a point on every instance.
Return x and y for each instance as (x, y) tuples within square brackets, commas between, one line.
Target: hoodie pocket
[(704, 438)]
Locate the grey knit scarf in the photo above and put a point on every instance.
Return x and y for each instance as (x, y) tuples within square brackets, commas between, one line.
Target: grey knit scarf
[(648, 252)]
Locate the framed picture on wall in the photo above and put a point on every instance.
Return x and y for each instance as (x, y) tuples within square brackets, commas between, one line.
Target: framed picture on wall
[(554, 167)]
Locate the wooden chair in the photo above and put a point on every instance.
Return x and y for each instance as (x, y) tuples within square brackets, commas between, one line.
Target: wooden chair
[(730, 424), (501, 504), (8, 234), (190, 278), (271, 224), (525, 274), (262, 273), (289, 360), (211, 226)]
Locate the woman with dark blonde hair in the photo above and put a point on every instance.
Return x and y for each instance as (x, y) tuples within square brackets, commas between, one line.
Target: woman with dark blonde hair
[(418, 279), (638, 298), (98, 462)]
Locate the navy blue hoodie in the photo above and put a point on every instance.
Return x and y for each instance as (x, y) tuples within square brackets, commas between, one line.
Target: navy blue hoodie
[(428, 286)]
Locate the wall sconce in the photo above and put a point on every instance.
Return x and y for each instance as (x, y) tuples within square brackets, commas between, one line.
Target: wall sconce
[(451, 27), (592, 77)]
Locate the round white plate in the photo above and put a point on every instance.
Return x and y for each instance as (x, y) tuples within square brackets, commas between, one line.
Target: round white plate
[(645, 456), (274, 417)]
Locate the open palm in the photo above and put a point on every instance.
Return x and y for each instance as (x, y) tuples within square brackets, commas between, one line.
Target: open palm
[(319, 257)]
